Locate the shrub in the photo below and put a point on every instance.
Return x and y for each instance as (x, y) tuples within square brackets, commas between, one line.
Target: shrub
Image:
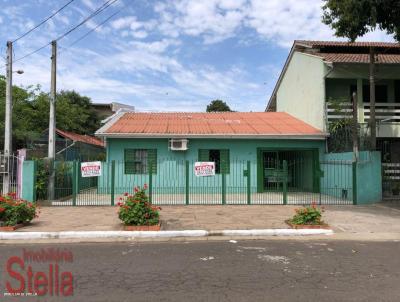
[(14, 211), (137, 210), (308, 215)]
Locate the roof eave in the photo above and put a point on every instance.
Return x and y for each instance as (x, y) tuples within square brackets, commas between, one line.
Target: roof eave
[(320, 136)]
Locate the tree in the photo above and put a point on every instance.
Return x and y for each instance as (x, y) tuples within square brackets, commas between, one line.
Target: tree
[(31, 113), (353, 19), (218, 106)]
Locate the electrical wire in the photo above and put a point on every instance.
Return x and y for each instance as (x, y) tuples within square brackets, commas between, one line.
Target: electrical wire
[(44, 21), (95, 13), (90, 31), (100, 9)]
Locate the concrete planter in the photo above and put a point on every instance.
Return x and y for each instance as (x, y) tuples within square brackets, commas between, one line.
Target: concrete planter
[(307, 226), (10, 228), (155, 227)]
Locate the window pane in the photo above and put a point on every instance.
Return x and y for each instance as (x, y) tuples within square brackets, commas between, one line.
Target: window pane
[(215, 156)]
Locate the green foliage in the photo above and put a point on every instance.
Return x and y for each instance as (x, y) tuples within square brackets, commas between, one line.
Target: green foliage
[(218, 106), (31, 113), (355, 18), (14, 211), (42, 176), (308, 215), (137, 210)]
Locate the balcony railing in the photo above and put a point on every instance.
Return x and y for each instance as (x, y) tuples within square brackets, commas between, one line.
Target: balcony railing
[(384, 112)]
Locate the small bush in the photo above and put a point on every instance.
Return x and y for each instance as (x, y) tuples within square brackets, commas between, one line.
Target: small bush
[(14, 211), (308, 215), (137, 210)]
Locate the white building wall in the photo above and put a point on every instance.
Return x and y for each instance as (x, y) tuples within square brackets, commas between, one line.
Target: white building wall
[(302, 90)]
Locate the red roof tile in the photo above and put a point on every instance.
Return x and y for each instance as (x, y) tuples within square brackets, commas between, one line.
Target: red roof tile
[(359, 58), (318, 44), (87, 139), (206, 124)]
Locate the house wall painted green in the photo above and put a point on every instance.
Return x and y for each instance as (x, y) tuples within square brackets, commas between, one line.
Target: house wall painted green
[(171, 164), (339, 180)]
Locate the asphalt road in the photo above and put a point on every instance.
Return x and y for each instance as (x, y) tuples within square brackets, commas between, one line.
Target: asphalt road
[(220, 271)]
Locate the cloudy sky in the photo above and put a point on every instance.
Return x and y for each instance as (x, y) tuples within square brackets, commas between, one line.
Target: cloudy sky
[(173, 55)]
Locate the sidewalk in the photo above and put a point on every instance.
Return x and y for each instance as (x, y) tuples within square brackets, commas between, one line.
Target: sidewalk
[(375, 221)]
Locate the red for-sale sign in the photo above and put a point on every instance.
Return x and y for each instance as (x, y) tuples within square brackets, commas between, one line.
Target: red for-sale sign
[(204, 168), (90, 169)]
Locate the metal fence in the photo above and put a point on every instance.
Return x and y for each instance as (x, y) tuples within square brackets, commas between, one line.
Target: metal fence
[(10, 174), (173, 182), (391, 181)]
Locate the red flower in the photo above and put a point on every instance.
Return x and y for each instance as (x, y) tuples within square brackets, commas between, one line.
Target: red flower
[(145, 186), (120, 198), (136, 189), (126, 194), (119, 204), (2, 210)]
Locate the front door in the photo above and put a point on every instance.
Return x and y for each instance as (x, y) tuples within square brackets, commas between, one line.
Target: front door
[(270, 161)]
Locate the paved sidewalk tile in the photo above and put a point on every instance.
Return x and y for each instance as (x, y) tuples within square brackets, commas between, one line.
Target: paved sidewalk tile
[(349, 219)]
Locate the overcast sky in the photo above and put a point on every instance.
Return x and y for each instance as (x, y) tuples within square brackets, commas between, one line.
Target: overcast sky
[(174, 55)]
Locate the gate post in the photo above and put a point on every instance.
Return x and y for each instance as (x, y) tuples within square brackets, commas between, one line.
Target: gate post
[(74, 181), (223, 175), (284, 183), (248, 173), (112, 182), (35, 166), (354, 176), (151, 182), (186, 182)]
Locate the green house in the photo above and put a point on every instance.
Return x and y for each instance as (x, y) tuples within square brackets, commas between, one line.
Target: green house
[(260, 153)]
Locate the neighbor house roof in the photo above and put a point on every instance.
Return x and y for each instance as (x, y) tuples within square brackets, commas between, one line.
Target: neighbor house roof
[(216, 124), (346, 44), (87, 139), (337, 52)]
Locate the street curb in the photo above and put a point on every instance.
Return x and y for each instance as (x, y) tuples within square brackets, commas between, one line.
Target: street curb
[(159, 234)]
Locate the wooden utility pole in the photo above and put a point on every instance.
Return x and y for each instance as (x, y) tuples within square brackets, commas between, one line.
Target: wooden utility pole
[(372, 119), (52, 121), (354, 130), (8, 122)]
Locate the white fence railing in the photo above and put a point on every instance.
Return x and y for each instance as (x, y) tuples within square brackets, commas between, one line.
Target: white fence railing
[(391, 181), (337, 111), (384, 112), (389, 112), (391, 171)]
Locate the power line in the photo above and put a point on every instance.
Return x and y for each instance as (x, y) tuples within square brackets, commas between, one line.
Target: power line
[(90, 31), (95, 13), (104, 6), (44, 21)]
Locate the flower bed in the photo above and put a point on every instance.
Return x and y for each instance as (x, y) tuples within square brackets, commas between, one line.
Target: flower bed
[(15, 212), (137, 213), (308, 217)]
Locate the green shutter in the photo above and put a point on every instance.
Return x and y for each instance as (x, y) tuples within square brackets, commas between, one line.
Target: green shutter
[(129, 159), (204, 155), (225, 161), (152, 160)]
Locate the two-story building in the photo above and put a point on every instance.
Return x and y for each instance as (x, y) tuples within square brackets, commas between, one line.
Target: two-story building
[(319, 78)]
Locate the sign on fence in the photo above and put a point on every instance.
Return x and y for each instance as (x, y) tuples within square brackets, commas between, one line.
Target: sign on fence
[(90, 169), (205, 168)]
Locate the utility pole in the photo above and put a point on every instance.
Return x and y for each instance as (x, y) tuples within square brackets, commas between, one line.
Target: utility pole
[(8, 121), (354, 131), (372, 119), (52, 122)]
